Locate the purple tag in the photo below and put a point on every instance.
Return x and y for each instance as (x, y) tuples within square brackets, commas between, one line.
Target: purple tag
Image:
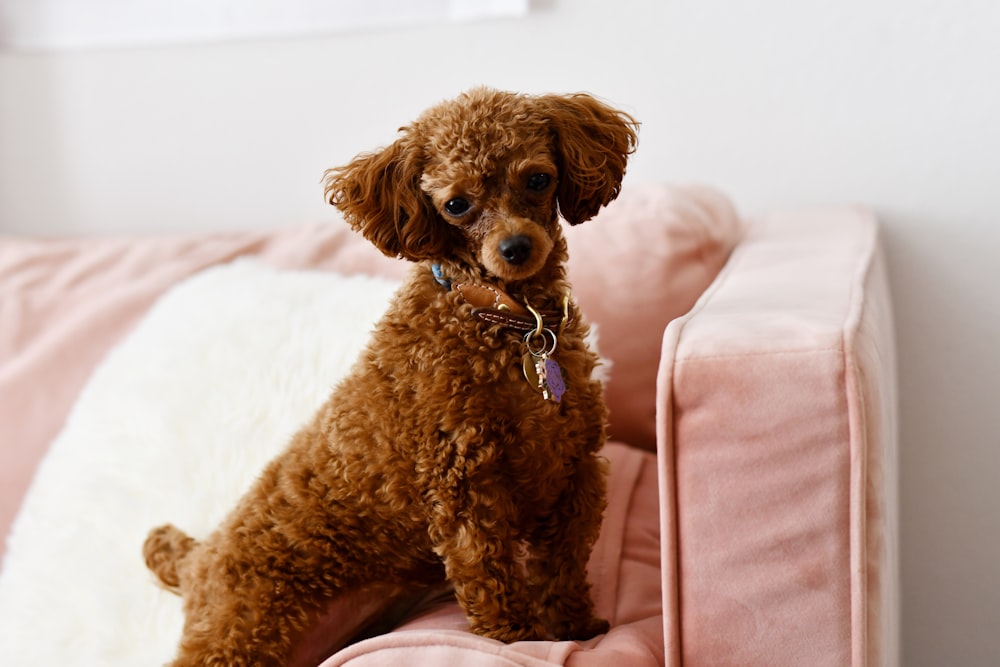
[(554, 379)]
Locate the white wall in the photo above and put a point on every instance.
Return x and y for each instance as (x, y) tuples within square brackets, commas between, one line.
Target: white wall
[(891, 103)]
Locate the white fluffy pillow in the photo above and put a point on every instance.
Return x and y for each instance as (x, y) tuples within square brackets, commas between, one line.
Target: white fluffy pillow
[(173, 426)]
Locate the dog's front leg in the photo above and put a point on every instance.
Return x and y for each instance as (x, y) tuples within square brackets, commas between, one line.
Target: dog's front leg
[(471, 534), (560, 550)]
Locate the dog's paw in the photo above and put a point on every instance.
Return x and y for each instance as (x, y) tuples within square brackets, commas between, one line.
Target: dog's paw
[(585, 630), (512, 632)]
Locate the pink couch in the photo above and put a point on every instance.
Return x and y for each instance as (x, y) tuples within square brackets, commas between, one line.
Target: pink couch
[(753, 516)]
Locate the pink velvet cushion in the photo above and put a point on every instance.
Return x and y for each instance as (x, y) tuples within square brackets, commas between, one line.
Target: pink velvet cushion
[(640, 263)]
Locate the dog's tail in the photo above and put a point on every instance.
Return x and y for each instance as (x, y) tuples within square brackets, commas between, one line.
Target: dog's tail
[(164, 549)]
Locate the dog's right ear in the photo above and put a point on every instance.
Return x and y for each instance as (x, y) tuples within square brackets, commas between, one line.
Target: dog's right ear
[(379, 194)]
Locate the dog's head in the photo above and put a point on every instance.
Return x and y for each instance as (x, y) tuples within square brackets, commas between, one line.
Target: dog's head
[(483, 178)]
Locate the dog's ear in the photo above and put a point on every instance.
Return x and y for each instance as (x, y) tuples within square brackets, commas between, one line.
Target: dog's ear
[(593, 142), (379, 194)]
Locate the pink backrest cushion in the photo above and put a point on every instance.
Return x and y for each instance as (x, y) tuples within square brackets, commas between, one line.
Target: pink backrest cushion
[(643, 261)]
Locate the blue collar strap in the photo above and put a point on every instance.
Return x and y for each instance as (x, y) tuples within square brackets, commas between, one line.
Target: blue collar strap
[(440, 277)]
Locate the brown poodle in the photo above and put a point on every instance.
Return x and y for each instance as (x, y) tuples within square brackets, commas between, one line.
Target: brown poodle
[(464, 444)]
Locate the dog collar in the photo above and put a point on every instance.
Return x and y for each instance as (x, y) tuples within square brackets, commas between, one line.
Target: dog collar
[(494, 306)]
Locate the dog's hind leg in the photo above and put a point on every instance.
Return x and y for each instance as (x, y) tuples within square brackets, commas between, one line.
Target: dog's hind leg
[(234, 615), (241, 609)]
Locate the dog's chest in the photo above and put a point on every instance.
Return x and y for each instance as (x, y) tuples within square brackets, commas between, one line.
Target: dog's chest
[(455, 402), (452, 373), (514, 375)]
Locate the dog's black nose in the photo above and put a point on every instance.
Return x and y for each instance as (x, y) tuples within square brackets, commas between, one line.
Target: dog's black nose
[(516, 249)]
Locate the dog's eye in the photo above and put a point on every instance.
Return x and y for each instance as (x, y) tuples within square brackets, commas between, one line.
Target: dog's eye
[(539, 182), (457, 207)]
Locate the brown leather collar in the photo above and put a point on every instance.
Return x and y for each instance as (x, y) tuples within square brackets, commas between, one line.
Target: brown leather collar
[(494, 306)]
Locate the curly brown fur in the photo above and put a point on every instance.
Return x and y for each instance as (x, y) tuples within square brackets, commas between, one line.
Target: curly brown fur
[(434, 458)]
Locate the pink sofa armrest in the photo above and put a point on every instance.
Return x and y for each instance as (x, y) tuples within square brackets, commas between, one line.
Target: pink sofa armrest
[(777, 446)]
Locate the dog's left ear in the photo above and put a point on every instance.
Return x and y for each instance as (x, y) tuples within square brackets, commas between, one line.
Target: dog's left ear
[(593, 142)]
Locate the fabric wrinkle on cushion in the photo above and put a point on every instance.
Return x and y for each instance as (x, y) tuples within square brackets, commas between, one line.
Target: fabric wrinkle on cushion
[(149, 441), (626, 645)]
